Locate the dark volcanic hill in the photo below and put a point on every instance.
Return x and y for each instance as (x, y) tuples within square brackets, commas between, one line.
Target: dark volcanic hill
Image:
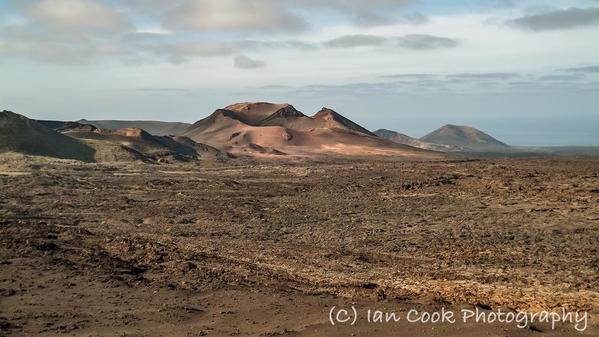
[(23, 135), (465, 137), (153, 127), (137, 144), (266, 129), (127, 144)]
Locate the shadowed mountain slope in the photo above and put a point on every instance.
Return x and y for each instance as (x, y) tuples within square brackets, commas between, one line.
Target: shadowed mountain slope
[(139, 144), (23, 135), (127, 144)]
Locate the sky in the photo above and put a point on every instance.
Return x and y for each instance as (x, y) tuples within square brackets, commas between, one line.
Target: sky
[(524, 71)]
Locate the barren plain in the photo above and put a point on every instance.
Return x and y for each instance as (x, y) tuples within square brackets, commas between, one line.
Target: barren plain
[(264, 249)]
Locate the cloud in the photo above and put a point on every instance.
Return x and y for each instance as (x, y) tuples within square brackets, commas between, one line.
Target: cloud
[(244, 62), (409, 76), (484, 76), (559, 78), (559, 19), (502, 4), (424, 41), (275, 44), (410, 84), (60, 53), (370, 19), (413, 41), (65, 32), (350, 5), (88, 31), (148, 91), (587, 69), (184, 52), (78, 15), (154, 6), (363, 13), (233, 15), (360, 88), (413, 19), (358, 40), (276, 87), (265, 15)]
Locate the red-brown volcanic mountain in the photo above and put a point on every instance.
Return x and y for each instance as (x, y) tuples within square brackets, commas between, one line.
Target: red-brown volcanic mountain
[(267, 129)]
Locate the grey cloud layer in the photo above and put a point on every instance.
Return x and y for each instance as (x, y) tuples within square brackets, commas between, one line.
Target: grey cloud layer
[(483, 76), (586, 69), (358, 40), (80, 15), (263, 15), (412, 41), (254, 15), (65, 31), (186, 51), (244, 62), (417, 83), (85, 31), (423, 41), (559, 19), (560, 77)]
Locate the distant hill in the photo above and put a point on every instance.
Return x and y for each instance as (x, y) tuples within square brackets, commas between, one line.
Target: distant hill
[(61, 126), (54, 125), (23, 135), (465, 137), (153, 127), (268, 129), (401, 138)]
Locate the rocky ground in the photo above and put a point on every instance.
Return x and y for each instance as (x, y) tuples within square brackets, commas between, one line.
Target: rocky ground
[(268, 249)]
